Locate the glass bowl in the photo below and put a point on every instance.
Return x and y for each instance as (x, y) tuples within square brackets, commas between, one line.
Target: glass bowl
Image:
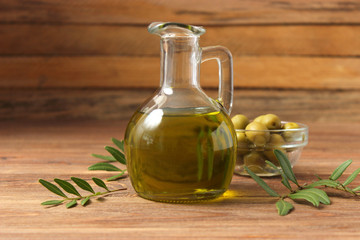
[(253, 155)]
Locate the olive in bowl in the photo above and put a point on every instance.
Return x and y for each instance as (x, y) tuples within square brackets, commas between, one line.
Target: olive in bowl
[(258, 139)]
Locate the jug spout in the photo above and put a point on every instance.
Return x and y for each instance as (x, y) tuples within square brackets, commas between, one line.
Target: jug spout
[(175, 29)]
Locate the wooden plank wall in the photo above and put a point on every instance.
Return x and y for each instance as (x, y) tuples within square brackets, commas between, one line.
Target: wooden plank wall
[(78, 59)]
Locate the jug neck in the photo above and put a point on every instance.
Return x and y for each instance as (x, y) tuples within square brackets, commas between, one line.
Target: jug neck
[(180, 61)]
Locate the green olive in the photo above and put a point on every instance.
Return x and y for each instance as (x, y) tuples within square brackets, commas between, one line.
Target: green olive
[(243, 143), (271, 156), (271, 121), (291, 125), (240, 121), (276, 140), (291, 135), (257, 133), (258, 118), (254, 158), (241, 138), (254, 161)]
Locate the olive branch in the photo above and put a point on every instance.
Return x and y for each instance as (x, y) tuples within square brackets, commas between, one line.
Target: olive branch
[(307, 192), (68, 187), (117, 155)]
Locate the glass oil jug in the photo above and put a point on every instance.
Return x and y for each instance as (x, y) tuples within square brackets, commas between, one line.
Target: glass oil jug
[(180, 144)]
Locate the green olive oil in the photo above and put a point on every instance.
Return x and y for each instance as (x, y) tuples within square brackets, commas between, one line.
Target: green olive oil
[(176, 157)]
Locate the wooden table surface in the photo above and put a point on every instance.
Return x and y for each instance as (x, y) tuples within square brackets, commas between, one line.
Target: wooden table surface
[(48, 150), (94, 59)]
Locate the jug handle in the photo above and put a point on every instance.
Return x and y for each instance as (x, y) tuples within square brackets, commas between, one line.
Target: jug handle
[(223, 56)]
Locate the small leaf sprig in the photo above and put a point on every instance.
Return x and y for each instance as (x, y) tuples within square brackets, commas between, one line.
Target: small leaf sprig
[(307, 192), (69, 188), (117, 155)]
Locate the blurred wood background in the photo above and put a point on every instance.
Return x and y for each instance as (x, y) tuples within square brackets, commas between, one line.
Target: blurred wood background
[(94, 59)]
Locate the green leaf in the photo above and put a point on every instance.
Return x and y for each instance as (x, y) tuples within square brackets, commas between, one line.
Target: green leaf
[(115, 177), (356, 189), (104, 166), (83, 184), (52, 202), (283, 207), (307, 196), (285, 166), (85, 201), (262, 183), (272, 165), (284, 180), (107, 158), (100, 183), (351, 177), (68, 187), (71, 204), (323, 182), (118, 143), (51, 187), (321, 195), (119, 156), (340, 169), (313, 195)]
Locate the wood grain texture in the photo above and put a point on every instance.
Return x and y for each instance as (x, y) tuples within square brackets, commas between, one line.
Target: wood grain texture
[(33, 150), (214, 12), (130, 40), (249, 72), (276, 44), (69, 104)]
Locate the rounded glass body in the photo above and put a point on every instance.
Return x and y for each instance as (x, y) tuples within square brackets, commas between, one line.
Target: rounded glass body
[(182, 155)]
